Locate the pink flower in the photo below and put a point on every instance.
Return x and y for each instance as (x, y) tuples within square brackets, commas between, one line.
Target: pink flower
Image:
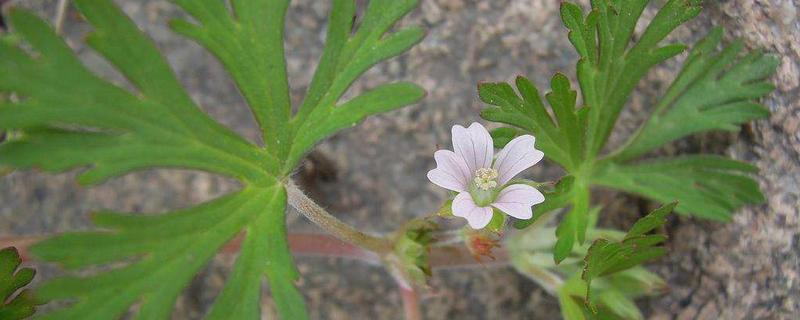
[(482, 183)]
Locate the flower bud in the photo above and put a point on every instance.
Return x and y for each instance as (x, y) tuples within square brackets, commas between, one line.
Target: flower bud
[(412, 249), (481, 242)]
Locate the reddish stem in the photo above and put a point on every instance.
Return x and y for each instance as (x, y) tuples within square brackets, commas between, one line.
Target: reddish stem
[(323, 245), (410, 303), (316, 244)]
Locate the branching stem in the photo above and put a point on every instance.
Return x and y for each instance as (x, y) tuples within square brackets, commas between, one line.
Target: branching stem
[(324, 245), (345, 241)]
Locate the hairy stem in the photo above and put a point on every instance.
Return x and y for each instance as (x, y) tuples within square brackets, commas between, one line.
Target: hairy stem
[(61, 13), (334, 226)]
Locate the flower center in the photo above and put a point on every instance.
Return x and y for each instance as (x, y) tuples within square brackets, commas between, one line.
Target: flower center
[(486, 178), (483, 187)]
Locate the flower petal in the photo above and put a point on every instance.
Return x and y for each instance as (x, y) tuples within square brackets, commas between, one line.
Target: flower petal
[(518, 155), (477, 217), (474, 145), (451, 172), (516, 200)]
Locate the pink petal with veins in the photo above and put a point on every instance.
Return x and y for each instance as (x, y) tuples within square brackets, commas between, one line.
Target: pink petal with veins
[(451, 172), (477, 217), (474, 145), (516, 200), (518, 155)]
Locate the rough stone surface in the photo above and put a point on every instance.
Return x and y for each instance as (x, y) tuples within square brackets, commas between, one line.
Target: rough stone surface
[(746, 269)]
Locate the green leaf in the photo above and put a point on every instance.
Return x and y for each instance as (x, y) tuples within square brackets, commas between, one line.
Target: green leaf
[(706, 186), (504, 135), (637, 282), (249, 266), (650, 222), (498, 222), (557, 198), (167, 251), (572, 228), (348, 55), (70, 118), (345, 57), (610, 65), (619, 305), (715, 90), (15, 304), (612, 303), (571, 309), (561, 137), (114, 130), (606, 257), (249, 43)]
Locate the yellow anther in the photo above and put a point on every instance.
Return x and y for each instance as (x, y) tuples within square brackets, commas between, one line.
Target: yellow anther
[(485, 178)]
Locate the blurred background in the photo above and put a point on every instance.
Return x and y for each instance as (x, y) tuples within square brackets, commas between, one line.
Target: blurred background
[(373, 176)]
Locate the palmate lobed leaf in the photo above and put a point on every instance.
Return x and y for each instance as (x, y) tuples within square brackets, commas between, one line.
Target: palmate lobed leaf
[(610, 66), (611, 301), (608, 302), (159, 127), (71, 118), (612, 294), (707, 186), (346, 56), (171, 248), (606, 257), (715, 90), (560, 136), (113, 126), (16, 303)]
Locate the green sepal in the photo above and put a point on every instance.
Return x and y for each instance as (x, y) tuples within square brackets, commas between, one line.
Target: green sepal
[(412, 246), (498, 222), (446, 210)]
